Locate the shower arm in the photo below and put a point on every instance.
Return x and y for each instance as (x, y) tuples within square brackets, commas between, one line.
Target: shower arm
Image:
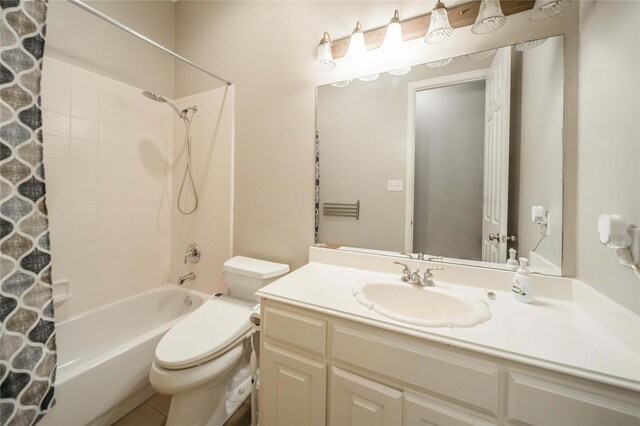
[(143, 38)]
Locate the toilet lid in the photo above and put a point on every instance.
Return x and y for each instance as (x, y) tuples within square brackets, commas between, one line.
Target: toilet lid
[(202, 334)]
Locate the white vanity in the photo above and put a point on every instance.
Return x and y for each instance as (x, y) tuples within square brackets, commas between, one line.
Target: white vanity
[(571, 358)]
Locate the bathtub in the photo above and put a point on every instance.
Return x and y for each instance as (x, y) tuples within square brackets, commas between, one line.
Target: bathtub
[(104, 355)]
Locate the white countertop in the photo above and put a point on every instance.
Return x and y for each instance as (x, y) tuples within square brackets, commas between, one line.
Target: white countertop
[(551, 333)]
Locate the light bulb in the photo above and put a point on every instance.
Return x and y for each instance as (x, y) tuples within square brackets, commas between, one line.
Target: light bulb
[(439, 28), (393, 45), (324, 61), (357, 48)]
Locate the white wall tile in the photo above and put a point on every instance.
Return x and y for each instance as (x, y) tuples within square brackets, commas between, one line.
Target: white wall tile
[(82, 128), (83, 150)]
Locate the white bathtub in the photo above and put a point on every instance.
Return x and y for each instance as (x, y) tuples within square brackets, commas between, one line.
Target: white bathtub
[(104, 355)]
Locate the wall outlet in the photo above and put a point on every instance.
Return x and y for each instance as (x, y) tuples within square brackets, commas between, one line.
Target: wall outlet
[(394, 185)]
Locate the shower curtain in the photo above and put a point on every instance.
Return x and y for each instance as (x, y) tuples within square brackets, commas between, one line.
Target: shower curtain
[(27, 339)]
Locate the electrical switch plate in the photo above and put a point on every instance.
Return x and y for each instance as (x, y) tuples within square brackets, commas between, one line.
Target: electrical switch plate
[(394, 186)]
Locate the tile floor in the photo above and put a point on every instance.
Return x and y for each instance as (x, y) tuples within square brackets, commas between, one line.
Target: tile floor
[(153, 412)]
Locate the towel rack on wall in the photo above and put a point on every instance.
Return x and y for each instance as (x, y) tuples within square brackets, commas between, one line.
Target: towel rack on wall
[(342, 209)]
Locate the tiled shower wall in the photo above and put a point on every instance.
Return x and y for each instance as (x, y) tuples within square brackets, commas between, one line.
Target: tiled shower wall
[(210, 226), (108, 153)]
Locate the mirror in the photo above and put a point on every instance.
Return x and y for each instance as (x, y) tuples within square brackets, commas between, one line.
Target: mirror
[(458, 160)]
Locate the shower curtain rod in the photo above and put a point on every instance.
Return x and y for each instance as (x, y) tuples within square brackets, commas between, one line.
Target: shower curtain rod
[(143, 38)]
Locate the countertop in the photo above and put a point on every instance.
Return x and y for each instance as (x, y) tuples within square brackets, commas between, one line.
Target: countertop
[(551, 333)]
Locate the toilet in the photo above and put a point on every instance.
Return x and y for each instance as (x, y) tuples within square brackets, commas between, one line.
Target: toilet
[(203, 361)]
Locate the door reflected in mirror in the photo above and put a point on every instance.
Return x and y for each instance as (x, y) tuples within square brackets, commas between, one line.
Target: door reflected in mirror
[(462, 161)]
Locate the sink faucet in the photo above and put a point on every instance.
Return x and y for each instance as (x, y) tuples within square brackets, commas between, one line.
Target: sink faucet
[(419, 256), (414, 277), (187, 277), (427, 280)]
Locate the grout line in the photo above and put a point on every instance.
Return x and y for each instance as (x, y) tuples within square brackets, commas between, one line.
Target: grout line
[(156, 410)]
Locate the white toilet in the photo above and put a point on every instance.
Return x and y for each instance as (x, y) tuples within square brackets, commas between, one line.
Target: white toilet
[(203, 361)]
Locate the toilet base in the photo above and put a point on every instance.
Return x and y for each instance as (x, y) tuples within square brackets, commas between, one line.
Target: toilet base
[(211, 404)]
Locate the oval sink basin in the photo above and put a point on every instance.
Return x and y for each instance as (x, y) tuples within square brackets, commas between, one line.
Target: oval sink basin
[(424, 306)]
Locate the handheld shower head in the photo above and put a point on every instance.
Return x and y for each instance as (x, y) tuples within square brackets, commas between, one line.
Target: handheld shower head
[(158, 98)]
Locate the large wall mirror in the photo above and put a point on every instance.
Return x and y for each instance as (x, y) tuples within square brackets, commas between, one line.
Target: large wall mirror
[(459, 160)]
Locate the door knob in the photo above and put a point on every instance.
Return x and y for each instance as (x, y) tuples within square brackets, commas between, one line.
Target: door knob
[(512, 238), (493, 237)]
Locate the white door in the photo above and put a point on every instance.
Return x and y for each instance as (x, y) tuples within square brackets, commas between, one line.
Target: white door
[(293, 388), (356, 401), (496, 158)]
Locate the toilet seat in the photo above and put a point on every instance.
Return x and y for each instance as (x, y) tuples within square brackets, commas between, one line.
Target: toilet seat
[(208, 332)]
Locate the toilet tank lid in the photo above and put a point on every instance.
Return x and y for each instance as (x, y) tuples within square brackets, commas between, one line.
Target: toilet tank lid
[(254, 268)]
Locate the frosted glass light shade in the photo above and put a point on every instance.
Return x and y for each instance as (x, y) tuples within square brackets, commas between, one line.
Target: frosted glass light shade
[(440, 63), (343, 83), (370, 77), (400, 71), (544, 9), (490, 18), (357, 48), (393, 45), (439, 28), (324, 60)]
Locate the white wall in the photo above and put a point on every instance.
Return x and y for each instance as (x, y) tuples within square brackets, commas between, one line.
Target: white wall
[(268, 49), (540, 147), (609, 145), (210, 226), (107, 155), (79, 38)]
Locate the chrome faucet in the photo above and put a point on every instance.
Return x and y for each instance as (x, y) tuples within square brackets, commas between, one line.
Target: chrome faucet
[(414, 277), (427, 279), (192, 254), (187, 277), (419, 256)]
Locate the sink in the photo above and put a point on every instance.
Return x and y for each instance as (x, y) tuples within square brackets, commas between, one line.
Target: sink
[(424, 306)]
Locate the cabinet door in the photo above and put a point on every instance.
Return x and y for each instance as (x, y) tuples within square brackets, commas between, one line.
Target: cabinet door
[(292, 388), (356, 401), (420, 410)]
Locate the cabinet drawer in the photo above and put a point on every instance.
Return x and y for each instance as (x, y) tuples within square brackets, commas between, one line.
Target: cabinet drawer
[(537, 400), (296, 329), (422, 410), (456, 376), (356, 401)]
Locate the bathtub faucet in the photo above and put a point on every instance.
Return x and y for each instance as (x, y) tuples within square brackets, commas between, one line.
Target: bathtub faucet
[(187, 277)]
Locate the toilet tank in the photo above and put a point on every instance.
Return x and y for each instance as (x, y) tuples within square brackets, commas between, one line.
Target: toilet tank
[(244, 276)]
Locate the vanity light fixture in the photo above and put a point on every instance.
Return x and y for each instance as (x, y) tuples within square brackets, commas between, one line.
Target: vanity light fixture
[(393, 44), (527, 45), (544, 9), (324, 61), (370, 77), (439, 28), (357, 48), (490, 18), (343, 83), (400, 71), (440, 63)]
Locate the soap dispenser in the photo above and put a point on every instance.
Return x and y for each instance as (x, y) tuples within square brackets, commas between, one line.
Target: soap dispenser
[(512, 262), (522, 285)]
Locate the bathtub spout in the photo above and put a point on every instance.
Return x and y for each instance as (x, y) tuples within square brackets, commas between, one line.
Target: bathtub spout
[(187, 277)]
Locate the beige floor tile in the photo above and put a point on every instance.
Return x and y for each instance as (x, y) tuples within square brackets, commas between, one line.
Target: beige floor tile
[(143, 415), (160, 403), (242, 417)]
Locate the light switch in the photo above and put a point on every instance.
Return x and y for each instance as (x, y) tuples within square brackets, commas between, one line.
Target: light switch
[(394, 186)]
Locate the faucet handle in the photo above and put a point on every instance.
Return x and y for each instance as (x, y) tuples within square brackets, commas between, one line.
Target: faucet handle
[(406, 254), (428, 273), (193, 253), (404, 265)]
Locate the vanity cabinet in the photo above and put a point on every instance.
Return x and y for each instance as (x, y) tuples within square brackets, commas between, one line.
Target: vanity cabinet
[(321, 369)]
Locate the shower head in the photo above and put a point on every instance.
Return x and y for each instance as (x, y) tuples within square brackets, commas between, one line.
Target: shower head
[(158, 98)]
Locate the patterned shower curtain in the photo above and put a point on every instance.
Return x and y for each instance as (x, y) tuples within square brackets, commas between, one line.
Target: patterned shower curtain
[(27, 339)]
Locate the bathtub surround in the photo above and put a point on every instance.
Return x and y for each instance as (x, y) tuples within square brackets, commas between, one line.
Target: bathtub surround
[(28, 343), (210, 225), (108, 157)]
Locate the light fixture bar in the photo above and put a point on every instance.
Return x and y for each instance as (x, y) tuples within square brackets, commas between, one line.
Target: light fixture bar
[(459, 16)]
